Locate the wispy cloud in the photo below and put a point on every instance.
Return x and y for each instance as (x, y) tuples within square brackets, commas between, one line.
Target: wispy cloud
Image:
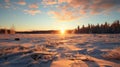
[(67, 10), (96, 6), (77, 8), (21, 2), (63, 16), (49, 2), (0, 5), (32, 12), (6, 6), (7, 1), (33, 6)]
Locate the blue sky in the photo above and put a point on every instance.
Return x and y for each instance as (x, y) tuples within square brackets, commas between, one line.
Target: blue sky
[(56, 14)]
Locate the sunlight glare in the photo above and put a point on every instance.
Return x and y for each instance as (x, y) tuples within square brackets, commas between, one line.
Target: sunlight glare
[(62, 31)]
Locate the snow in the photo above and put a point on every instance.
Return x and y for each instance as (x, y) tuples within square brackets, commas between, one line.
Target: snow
[(55, 50)]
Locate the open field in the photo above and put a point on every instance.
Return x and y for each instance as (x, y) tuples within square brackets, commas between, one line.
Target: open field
[(52, 50)]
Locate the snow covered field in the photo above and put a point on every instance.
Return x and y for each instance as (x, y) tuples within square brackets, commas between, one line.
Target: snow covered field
[(52, 50)]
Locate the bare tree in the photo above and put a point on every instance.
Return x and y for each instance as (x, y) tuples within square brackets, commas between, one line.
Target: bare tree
[(12, 30), (6, 31)]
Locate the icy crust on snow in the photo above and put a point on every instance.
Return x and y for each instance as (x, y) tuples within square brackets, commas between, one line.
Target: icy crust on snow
[(55, 50)]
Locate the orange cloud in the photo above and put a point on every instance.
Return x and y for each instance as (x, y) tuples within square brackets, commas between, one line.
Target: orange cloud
[(21, 2), (103, 5), (7, 1), (63, 1), (82, 12), (32, 12), (79, 3), (73, 9), (63, 16), (33, 6), (49, 2)]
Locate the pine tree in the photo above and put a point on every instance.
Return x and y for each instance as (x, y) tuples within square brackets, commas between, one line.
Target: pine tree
[(103, 28)]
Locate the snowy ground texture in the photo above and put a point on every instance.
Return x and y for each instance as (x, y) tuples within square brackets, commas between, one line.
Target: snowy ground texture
[(52, 50)]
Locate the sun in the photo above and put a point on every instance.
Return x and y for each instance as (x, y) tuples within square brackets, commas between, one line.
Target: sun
[(62, 31)]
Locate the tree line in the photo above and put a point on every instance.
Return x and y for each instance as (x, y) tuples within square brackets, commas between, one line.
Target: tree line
[(7, 31), (100, 28)]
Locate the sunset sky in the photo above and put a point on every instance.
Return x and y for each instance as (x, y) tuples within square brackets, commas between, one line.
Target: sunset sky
[(56, 14)]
